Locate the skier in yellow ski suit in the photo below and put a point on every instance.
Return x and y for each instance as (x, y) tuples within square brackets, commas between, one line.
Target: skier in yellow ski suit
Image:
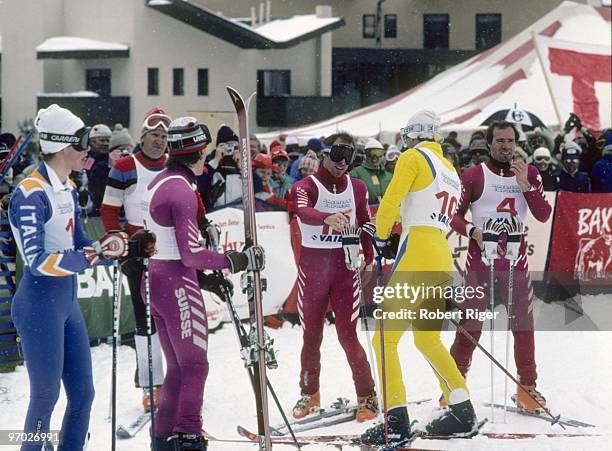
[(423, 194)]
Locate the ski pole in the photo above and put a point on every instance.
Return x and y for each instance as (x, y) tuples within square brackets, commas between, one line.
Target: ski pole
[(14, 154), (364, 319), (145, 273), (116, 313), (381, 323), (492, 306), (461, 329), (381, 326), (508, 326), (243, 340)]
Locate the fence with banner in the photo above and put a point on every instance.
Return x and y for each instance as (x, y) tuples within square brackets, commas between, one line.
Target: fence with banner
[(576, 242)]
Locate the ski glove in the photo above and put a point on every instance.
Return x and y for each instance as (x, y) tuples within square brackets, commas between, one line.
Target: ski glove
[(387, 248), (112, 246), (142, 244), (515, 230), (252, 259), (490, 238), (210, 232), (350, 246), (216, 283)]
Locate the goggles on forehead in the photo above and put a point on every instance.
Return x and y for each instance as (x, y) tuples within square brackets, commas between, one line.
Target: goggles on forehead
[(157, 120), (339, 152), (79, 139)]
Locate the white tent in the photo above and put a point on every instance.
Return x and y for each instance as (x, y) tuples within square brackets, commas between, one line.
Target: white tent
[(507, 74)]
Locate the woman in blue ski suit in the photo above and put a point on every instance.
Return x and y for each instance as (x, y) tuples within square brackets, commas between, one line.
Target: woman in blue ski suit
[(46, 223)]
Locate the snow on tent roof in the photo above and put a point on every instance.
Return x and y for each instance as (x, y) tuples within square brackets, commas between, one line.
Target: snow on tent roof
[(498, 78), (73, 43), (283, 30)]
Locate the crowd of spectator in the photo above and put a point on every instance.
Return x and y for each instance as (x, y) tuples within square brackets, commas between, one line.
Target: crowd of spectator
[(576, 160)]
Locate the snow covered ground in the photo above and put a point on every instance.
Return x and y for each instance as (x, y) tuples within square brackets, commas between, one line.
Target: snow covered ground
[(574, 374)]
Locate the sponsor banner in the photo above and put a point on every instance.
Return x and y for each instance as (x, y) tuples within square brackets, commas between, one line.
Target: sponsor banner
[(274, 235), (581, 242)]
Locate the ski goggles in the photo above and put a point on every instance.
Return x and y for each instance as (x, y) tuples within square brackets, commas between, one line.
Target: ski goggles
[(157, 120), (571, 161), (79, 139), (542, 159), (339, 152), (375, 153)]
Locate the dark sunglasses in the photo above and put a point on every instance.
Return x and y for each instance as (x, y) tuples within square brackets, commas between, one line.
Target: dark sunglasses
[(571, 160), (79, 140), (339, 152)]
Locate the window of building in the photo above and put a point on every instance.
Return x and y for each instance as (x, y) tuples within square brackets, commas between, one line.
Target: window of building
[(274, 82), (202, 82), (390, 25), (178, 81), (369, 26), (153, 81), (436, 29), (488, 30), (98, 81)]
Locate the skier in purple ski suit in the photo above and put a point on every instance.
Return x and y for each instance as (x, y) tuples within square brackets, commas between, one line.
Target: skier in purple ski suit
[(172, 212)]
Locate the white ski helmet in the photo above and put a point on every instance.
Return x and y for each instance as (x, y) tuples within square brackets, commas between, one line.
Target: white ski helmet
[(423, 125)]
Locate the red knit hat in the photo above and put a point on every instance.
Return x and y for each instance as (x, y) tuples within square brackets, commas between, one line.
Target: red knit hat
[(279, 152), (263, 161)]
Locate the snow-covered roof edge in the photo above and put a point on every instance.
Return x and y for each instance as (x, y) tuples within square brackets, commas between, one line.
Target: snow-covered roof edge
[(242, 35)]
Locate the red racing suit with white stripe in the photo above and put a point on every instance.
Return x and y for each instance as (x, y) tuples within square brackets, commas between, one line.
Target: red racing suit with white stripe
[(490, 190), (323, 276)]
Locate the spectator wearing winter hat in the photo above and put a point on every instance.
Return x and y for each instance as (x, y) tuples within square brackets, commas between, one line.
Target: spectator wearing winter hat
[(223, 170), (316, 145), (256, 146), (449, 152), (308, 165), (479, 151), (543, 161), (292, 147), (281, 182), (372, 171), (601, 174), (100, 136), (520, 154), (569, 178), (262, 176), (391, 156), (453, 141), (120, 141)]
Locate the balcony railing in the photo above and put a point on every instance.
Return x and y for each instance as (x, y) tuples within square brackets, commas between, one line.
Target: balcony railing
[(93, 110)]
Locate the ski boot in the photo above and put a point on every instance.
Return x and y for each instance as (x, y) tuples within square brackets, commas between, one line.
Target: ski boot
[(367, 407), (161, 444), (459, 419), (398, 429), (187, 442), (306, 405), (524, 402), (146, 399)]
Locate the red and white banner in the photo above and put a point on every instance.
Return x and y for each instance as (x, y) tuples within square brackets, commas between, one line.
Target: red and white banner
[(580, 78), (280, 272), (582, 237)]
